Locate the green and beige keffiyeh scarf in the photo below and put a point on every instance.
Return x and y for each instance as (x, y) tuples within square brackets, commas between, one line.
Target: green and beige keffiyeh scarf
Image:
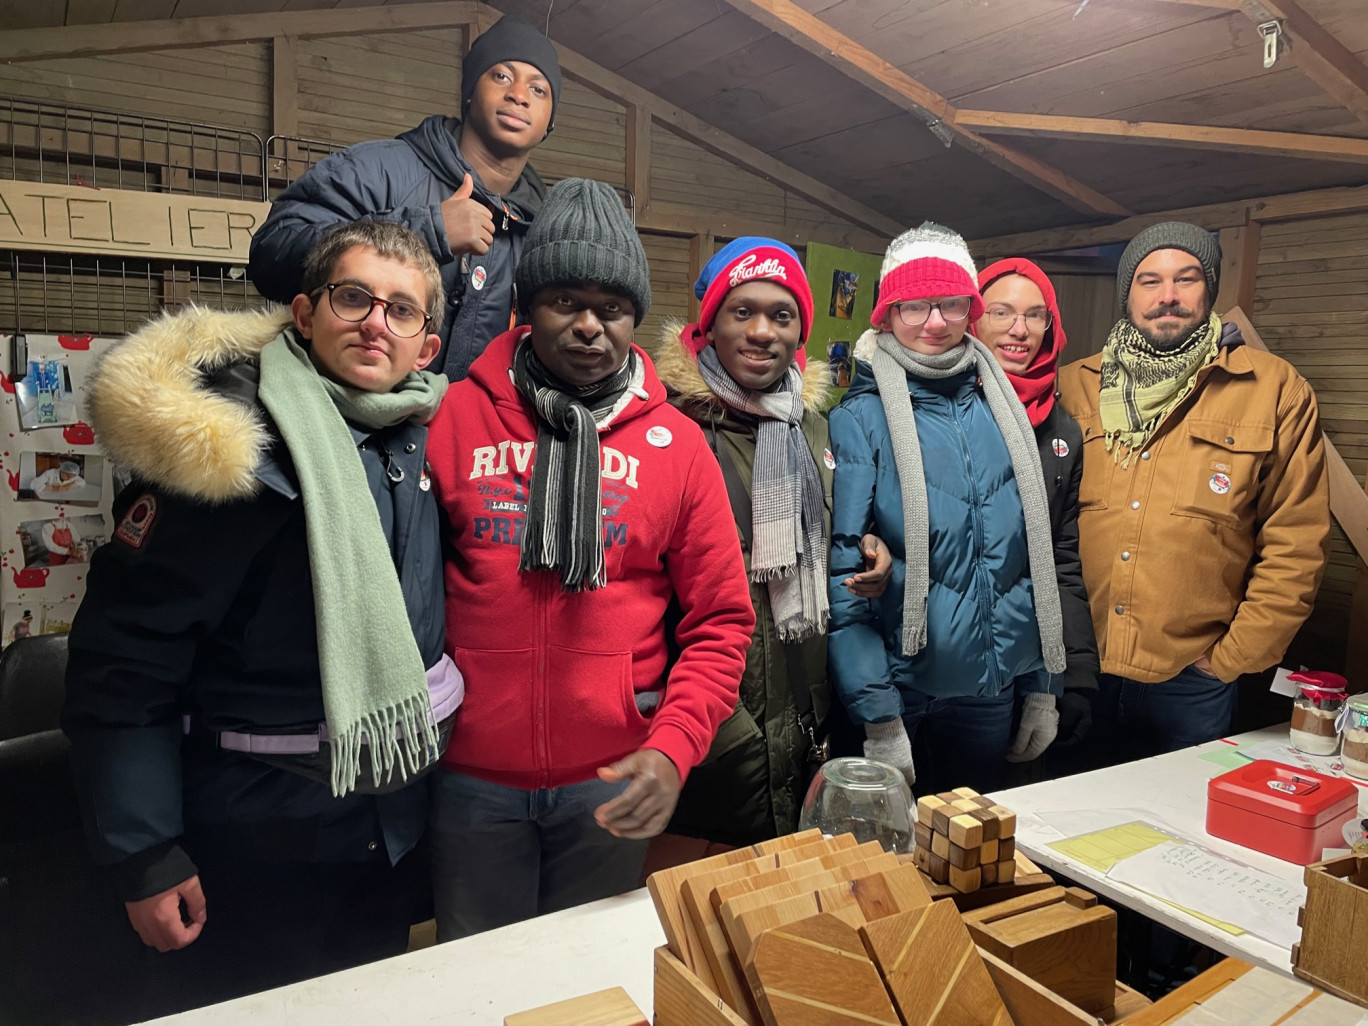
[(1141, 383)]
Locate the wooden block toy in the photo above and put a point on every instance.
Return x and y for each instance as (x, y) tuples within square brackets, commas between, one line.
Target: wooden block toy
[(1007, 849), (965, 880), (965, 792), (940, 845), (988, 852), (927, 806), (991, 824), (940, 818), (965, 831), (921, 833), (1006, 871), (938, 868), (1055, 937), (963, 858), (816, 972), (940, 978), (1007, 819), (989, 873), (604, 1008)]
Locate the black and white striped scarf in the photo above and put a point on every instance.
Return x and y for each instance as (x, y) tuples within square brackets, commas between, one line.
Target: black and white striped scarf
[(789, 552), (564, 528)]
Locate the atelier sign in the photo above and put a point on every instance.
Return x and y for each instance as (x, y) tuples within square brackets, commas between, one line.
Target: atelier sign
[(73, 219)]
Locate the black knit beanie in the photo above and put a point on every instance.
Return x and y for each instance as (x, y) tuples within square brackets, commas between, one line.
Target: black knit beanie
[(511, 39), (582, 234), (1170, 235)]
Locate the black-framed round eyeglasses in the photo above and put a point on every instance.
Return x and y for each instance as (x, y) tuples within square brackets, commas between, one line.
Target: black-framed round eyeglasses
[(353, 303), (915, 312), (1002, 319)]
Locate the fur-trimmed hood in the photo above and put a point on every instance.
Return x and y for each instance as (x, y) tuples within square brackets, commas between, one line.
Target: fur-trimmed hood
[(156, 415), (678, 370)]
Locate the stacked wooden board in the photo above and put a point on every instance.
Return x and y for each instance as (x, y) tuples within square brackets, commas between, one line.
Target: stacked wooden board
[(805, 930)]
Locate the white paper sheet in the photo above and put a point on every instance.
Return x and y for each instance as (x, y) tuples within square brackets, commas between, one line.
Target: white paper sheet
[(1216, 886), (1328, 1010), (1279, 751), (1258, 998)]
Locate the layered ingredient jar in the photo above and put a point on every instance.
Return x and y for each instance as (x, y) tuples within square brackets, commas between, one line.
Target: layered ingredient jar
[(1355, 753), (1315, 711)]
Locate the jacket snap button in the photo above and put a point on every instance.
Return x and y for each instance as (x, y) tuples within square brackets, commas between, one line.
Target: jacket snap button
[(1229, 440), (372, 846), (1125, 556), (1120, 610), (1145, 455), (1135, 504), (411, 447)]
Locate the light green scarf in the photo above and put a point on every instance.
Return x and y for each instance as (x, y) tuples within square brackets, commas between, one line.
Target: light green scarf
[(373, 675), (1142, 384)]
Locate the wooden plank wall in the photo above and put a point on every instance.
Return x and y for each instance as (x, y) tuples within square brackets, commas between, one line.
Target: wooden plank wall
[(227, 86), (1311, 308), (375, 86), (1087, 308)]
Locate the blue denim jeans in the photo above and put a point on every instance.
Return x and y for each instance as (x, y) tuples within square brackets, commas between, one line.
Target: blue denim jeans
[(959, 742), (1133, 721), (501, 855)]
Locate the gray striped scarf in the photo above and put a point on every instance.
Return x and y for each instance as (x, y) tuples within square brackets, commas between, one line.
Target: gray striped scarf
[(564, 528), (892, 363), (789, 551)]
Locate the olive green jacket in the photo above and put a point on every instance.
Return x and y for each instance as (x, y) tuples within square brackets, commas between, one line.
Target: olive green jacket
[(750, 786)]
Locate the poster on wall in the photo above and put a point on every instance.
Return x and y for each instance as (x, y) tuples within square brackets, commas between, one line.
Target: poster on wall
[(841, 314), (60, 485)]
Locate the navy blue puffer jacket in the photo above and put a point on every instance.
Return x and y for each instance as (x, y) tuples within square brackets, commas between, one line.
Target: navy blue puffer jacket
[(981, 624)]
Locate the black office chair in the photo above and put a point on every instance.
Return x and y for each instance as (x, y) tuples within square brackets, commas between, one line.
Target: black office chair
[(32, 685)]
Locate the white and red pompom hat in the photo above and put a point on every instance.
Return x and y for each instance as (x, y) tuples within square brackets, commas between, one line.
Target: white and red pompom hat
[(930, 260)]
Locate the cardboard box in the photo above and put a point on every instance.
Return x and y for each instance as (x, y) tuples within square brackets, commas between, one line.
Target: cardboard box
[(1291, 814), (1334, 924)]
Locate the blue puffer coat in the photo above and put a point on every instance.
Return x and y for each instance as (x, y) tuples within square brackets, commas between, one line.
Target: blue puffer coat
[(981, 624)]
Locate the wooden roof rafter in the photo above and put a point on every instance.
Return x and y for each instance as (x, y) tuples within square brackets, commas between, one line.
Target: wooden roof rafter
[(1322, 57), (862, 65)]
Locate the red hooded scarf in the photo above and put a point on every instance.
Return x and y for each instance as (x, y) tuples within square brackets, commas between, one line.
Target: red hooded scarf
[(1036, 387)]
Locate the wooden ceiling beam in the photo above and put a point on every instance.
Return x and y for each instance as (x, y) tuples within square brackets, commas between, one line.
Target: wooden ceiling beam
[(1214, 216), (1322, 57), (1201, 137), (40, 44), (872, 71)]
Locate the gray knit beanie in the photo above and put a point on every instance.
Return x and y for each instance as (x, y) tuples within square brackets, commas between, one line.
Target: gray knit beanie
[(582, 235), (1170, 235)]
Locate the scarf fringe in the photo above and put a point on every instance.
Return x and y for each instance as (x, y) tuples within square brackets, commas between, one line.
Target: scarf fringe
[(401, 738)]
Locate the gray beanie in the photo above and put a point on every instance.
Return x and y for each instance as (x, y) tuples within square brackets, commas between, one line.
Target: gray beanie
[(1170, 235), (582, 235)]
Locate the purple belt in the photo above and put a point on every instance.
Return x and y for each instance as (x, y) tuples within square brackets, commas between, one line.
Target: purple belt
[(446, 688)]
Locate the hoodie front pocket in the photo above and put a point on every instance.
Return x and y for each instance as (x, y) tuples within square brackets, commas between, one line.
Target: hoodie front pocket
[(591, 707), (494, 727)]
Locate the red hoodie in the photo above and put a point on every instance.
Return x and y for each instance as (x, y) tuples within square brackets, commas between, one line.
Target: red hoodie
[(551, 677)]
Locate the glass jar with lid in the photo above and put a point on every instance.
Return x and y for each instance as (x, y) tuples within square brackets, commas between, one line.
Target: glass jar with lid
[(1355, 732), (1315, 711)]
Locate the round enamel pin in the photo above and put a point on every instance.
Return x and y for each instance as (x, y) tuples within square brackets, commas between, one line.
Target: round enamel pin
[(1220, 483), (1060, 447), (659, 436), (477, 278), (828, 459)]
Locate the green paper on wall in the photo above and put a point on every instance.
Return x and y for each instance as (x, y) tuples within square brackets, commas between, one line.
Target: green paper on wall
[(844, 284)]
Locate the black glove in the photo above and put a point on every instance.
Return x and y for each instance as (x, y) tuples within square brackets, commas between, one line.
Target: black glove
[(1075, 717)]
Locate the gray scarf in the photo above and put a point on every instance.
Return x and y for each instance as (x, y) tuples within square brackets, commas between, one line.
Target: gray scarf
[(892, 363), (789, 552)]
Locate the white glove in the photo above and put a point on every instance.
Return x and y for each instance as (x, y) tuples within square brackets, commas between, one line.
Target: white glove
[(888, 743), (1039, 725)]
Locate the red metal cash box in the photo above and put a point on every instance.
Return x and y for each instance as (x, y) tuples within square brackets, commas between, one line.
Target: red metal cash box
[(1289, 813)]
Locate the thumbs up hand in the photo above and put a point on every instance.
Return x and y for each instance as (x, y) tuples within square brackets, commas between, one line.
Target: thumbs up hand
[(468, 222)]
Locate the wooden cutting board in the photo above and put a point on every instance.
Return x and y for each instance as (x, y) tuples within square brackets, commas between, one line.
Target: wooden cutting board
[(603, 1008), (816, 972), (933, 970), (664, 890)]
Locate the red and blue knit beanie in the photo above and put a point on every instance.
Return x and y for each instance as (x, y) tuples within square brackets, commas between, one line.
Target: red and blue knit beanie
[(749, 258), (930, 260)]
